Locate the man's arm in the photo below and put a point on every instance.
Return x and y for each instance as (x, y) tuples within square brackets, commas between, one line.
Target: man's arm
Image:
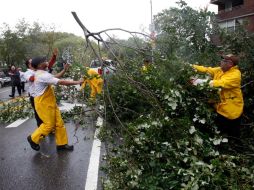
[(232, 80), (209, 70), (68, 82), (53, 59), (60, 74)]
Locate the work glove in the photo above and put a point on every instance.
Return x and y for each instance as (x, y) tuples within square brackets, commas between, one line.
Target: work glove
[(197, 81), (211, 83)]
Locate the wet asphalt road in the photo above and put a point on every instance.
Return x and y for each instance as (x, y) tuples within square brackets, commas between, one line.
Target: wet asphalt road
[(5, 92), (23, 168)]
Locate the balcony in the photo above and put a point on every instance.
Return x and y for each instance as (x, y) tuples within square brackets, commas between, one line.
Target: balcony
[(217, 2), (231, 9)]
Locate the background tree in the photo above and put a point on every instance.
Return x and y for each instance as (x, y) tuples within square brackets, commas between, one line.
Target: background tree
[(12, 48), (185, 32)]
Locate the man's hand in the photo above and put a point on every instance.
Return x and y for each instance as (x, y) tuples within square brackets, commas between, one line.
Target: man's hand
[(55, 51), (81, 81), (66, 66)]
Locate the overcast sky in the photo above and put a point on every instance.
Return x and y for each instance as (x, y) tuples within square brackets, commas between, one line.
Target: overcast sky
[(96, 15)]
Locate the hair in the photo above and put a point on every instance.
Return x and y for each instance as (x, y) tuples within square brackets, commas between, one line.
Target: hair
[(36, 61), (27, 62)]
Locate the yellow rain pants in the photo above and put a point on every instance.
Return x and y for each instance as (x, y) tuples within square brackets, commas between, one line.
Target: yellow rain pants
[(95, 83), (50, 115)]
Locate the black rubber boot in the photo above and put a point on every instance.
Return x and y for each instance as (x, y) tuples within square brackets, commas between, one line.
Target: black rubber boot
[(32, 144), (65, 147)]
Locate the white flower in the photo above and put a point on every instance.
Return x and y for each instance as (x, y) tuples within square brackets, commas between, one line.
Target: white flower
[(192, 130), (224, 140)]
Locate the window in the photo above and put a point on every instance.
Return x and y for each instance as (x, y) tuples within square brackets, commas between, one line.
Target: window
[(228, 6), (231, 25), (237, 3)]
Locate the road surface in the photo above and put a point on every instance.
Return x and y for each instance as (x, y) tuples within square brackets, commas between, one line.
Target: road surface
[(23, 168)]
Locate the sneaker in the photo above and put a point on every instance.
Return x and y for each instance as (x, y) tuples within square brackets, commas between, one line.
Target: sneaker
[(65, 147), (33, 144)]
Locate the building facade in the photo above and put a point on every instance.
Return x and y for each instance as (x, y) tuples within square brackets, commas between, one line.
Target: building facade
[(233, 13)]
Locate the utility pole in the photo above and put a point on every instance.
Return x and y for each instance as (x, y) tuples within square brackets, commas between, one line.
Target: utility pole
[(152, 34), (151, 3)]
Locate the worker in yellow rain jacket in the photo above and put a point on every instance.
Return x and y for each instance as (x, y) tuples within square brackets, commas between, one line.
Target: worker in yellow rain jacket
[(46, 106), (230, 108), (95, 82), (146, 65)]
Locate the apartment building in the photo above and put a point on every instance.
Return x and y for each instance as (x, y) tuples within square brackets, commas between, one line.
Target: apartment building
[(233, 13)]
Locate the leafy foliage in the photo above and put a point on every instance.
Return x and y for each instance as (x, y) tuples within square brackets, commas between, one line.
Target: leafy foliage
[(15, 109), (167, 138)]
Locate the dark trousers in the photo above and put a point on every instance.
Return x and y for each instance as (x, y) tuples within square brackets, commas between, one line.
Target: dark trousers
[(229, 127), (13, 89), (22, 85), (38, 120)]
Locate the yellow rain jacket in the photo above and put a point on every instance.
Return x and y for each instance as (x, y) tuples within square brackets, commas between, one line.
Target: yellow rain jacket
[(94, 81), (231, 105)]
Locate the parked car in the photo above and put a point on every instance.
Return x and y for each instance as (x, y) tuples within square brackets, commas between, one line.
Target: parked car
[(4, 80), (107, 68)]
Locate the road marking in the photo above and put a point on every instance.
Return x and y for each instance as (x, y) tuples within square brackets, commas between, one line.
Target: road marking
[(17, 123), (68, 106), (93, 168)]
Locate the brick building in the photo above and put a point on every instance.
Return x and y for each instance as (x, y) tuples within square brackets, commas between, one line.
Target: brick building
[(232, 13)]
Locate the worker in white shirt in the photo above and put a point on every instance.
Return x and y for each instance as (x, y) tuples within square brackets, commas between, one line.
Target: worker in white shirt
[(46, 106), (29, 77)]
